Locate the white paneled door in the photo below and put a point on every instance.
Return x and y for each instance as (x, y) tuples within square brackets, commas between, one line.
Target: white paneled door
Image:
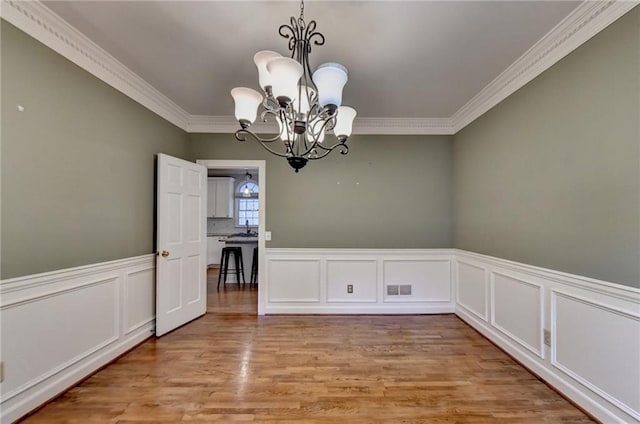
[(181, 280)]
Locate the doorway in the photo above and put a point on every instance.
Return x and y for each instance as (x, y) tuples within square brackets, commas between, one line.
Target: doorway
[(228, 230)]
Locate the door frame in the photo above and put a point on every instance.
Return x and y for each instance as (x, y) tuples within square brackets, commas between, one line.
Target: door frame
[(261, 165)]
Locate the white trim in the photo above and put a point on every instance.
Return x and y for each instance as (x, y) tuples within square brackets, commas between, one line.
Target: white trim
[(417, 303), (80, 349), (404, 126), (44, 279), (261, 165), (373, 126), (224, 125), (37, 20), (631, 294), (613, 298), (539, 351), (588, 19), (564, 368), (610, 297), (486, 287)]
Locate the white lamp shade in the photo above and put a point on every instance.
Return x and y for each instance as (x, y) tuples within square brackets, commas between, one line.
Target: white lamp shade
[(247, 102), (316, 126), (305, 94), (260, 59), (344, 121), (284, 134), (330, 78), (285, 73)]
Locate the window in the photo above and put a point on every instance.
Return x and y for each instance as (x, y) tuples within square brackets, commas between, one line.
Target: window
[(247, 202)]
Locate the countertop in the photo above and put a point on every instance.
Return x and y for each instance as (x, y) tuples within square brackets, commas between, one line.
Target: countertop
[(228, 238), (241, 240)]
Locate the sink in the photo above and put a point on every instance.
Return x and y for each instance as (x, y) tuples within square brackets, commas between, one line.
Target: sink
[(250, 234)]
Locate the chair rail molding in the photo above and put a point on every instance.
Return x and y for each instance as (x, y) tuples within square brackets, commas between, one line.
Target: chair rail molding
[(85, 316), (579, 313), (89, 315), (317, 281)]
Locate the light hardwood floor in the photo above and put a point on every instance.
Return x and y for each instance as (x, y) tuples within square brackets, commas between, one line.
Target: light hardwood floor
[(232, 366), (230, 299)]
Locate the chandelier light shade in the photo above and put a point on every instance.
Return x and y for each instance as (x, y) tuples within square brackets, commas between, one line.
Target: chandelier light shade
[(260, 59), (247, 102), (285, 74), (305, 105), (330, 78), (344, 122)]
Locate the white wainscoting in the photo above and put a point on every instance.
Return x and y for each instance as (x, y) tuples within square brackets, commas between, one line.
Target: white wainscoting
[(314, 281), (594, 357), (59, 327)]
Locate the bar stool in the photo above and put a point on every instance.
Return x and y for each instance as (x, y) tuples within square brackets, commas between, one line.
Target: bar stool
[(254, 268), (224, 264)]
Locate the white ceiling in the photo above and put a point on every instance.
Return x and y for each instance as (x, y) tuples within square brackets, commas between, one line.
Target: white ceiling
[(405, 59)]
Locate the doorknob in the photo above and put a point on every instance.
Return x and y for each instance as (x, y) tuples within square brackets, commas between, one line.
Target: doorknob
[(164, 253)]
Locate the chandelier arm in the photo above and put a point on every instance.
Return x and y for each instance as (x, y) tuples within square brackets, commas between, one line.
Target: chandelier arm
[(241, 136), (311, 34), (300, 130), (344, 149), (270, 103)]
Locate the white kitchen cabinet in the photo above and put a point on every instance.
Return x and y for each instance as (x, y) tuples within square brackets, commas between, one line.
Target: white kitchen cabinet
[(214, 250), (220, 191)]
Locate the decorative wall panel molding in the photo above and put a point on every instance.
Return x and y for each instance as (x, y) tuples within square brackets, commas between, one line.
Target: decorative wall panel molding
[(58, 327), (298, 280), (517, 310), (619, 355), (368, 271), (472, 289), (112, 310), (594, 329), (361, 274), (584, 22)]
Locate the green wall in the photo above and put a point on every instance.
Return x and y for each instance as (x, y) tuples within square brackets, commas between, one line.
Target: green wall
[(77, 165), (550, 176), (388, 192)]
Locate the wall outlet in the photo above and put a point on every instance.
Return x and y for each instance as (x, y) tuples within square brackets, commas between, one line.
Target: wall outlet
[(547, 337), (267, 235), (350, 288)]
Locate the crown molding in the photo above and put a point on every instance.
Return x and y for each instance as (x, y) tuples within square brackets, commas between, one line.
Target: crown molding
[(37, 20), (391, 126), (225, 124), (403, 126), (588, 19)]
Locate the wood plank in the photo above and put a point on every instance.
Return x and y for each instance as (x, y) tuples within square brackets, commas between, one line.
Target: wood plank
[(326, 369)]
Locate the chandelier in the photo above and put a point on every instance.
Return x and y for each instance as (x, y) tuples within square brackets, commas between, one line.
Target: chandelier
[(305, 106)]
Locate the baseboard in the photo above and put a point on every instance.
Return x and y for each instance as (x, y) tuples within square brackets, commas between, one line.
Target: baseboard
[(358, 281), (59, 327), (88, 316), (514, 304)]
